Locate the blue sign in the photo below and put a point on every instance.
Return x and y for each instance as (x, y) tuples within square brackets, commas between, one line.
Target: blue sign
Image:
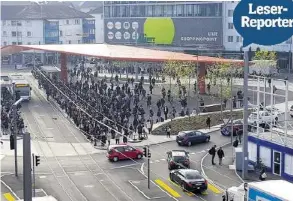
[(264, 22), (255, 195)]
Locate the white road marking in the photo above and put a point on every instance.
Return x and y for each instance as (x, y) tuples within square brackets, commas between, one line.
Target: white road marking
[(141, 167), (192, 153), (151, 162), (42, 177), (79, 173), (163, 159), (157, 161), (89, 186), (123, 166), (50, 128)]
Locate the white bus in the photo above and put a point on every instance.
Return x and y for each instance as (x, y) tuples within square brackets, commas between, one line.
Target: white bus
[(21, 87)]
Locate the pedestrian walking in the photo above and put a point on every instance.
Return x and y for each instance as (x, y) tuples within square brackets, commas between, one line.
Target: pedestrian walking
[(117, 138), (221, 155), (212, 152), (149, 126), (109, 138), (208, 122), (168, 130)]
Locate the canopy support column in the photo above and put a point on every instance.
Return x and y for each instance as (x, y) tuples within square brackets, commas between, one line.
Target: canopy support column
[(201, 78), (63, 58)]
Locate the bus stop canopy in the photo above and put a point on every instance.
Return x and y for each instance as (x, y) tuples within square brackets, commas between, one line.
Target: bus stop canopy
[(117, 52)]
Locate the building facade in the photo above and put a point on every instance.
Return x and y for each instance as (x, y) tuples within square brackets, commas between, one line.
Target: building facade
[(45, 24), (170, 23)]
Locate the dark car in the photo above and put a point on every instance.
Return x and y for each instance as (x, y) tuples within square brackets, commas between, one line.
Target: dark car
[(237, 126), (178, 159), (189, 180), (191, 137)]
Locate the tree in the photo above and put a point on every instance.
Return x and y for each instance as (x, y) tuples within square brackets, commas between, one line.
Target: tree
[(265, 55), (224, 73), (264, 63)]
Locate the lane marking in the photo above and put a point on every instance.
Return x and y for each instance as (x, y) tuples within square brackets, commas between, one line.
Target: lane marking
[(8, 197), (163, 159), (42, 177), (157, 161), (214, 189), (187, 193), (167, 188)]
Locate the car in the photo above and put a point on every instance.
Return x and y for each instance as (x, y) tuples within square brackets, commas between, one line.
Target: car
[(188, 138), (291, 111), (123, 152), (237, 126), (178, 159), (189, 180), (265, 117)]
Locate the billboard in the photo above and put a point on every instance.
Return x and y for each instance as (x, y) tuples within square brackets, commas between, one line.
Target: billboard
[(165, 31)]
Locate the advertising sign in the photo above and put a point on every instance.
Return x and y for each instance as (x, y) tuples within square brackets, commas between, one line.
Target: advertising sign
[(165, 31)]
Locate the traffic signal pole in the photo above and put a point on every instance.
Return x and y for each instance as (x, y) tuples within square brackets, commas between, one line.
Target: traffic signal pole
[(27, 167), (34, 175), (149, 168)]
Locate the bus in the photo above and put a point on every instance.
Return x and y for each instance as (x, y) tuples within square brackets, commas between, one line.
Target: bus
[(21, 87)]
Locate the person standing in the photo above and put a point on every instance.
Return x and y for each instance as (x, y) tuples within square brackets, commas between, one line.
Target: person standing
[(149, 126), (109, 138), (221, 155), (166, 111), (212, 152), (168, 130), (208, 122), (117, 138)]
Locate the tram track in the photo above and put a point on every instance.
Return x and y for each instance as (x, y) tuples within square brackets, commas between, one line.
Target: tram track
[(123, 195)]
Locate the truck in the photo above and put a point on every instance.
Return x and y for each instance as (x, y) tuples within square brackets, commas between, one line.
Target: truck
[(270, 190)]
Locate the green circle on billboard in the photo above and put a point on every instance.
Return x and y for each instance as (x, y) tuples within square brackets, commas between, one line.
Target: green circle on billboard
[(162, 29)]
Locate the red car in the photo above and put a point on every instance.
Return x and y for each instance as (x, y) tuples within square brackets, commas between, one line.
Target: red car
[(123, 152)]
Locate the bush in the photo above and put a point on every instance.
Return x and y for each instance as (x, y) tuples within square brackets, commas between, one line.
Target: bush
[(196, 122)]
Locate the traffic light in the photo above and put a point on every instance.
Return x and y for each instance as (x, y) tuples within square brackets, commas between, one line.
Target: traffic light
[(149, 154), (145, 151), (38, 160), (11, 142)]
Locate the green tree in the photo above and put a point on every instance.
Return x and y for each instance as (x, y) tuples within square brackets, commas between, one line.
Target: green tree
[(265, 55)]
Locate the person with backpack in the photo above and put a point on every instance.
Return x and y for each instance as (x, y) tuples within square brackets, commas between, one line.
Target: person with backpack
[(212, 152)]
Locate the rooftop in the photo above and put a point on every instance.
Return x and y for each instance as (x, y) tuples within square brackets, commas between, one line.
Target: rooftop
[(118, 53), (44, 11)]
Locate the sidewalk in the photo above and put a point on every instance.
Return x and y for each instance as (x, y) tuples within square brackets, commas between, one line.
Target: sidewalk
[(226, 176)]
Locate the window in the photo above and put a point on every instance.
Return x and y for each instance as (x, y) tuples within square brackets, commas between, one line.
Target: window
[(61, 33), (13, 33), (230, 39), (252, 148), (116, 11), (4, 33), (149, 11), (230, 13), (19, 33), (29, 43), (107, 11), (179, 9), (13, 23), (67, 22), (69, 42), (230, 25), (265, 155), (13, 43), (4, 43), (78, 41), (77, 21), (19, 43), (189, 10), (196, 10), (92, 31), (288, 164), (19, 23), (158, 11), (67, 33), (29, 34), (238, 39), (3, 22), (202, 10), (91, 22), (141, 12), (168, 11)]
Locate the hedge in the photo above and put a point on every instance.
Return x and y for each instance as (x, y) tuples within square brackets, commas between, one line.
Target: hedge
[(196, 122)]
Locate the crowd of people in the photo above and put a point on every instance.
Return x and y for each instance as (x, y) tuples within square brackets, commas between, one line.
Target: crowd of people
[(7, 125), (106, 108)]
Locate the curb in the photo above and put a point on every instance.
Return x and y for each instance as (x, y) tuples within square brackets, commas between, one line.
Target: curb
[(203, 172)]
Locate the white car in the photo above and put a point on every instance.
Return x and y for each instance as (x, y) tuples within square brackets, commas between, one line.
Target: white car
[(264, 117)]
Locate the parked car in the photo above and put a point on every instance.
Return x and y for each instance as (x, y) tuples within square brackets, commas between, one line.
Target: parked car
[(177, 159), (189, 180), (291, 111), (264, 117), (237, 126), (188, 138), (123, 152)]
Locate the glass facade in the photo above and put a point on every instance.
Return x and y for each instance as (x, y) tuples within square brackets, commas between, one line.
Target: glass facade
[(114, 9)]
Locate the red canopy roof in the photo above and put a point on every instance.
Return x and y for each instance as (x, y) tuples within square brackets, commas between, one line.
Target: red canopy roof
[(116, 52)]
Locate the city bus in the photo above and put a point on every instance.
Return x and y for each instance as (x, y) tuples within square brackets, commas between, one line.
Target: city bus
[(21, 87)]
